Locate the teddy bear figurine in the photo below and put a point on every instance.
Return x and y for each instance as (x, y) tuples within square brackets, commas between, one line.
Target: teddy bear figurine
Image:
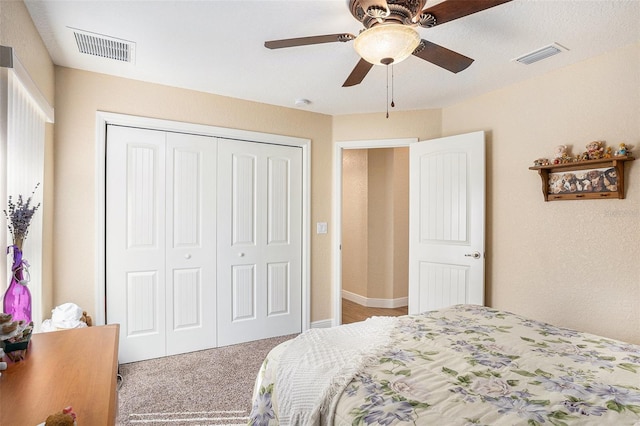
[(541, 162), (595, 150), (608, 152), (555, 183)]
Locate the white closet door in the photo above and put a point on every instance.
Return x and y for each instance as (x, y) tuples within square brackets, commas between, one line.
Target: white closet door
[(191, 243), (259, 241), (136, 240), (161, 235)]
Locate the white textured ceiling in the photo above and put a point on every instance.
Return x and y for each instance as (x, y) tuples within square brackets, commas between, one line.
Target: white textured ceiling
[(217, 47)]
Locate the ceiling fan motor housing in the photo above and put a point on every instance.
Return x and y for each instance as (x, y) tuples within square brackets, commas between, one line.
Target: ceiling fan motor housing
[(404, 12)]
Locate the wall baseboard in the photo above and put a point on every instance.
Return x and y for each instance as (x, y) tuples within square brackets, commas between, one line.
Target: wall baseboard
[(364, 301), (375, 303), (328, 323)]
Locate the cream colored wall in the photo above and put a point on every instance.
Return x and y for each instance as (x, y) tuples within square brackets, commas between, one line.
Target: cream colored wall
[(380, 225), (571, 263), (80, 94), (355, 219), (400, 243), (18, 31), (375, 235), (421, 124)]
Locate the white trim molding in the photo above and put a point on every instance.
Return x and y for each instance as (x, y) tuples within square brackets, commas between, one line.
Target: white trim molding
[(371, 302), (328, 323)]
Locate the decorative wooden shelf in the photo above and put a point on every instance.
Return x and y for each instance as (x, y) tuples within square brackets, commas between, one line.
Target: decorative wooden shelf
[(613, 162)]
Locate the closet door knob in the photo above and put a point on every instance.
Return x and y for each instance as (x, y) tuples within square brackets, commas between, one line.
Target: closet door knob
[(187, 256), (240, 254)]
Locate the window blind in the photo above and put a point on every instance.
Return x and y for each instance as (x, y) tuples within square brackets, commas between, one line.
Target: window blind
[(23, 114)]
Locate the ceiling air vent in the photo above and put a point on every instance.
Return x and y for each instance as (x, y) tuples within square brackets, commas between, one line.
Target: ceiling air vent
[(104, 46), (540, 54)]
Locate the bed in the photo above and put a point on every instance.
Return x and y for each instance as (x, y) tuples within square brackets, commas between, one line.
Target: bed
[(462, 365)]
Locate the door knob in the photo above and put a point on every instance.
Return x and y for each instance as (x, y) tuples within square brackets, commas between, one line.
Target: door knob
[(240, 254), (475, 255), (187, 256)]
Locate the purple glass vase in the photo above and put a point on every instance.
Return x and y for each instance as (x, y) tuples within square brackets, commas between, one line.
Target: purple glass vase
[(17, 298)]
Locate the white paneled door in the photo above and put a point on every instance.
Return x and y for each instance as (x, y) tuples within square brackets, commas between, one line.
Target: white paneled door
[(259, 241), (446, 222), (190, 245), (161, 241)]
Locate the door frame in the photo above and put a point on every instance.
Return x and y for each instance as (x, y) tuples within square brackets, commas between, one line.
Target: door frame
[(337, 209), (105, 118)]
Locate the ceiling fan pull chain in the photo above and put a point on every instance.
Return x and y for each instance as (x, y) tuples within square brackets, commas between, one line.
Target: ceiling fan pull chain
[(387, 67), (392, 80)]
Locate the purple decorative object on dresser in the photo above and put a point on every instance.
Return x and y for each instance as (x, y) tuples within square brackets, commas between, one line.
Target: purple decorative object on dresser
[(17, 298)]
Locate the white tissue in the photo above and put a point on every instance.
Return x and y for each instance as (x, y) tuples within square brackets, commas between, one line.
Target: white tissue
[(64, 316)]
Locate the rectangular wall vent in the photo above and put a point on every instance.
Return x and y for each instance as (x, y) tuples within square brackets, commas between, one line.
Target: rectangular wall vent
[(540, 54), (104, 46)]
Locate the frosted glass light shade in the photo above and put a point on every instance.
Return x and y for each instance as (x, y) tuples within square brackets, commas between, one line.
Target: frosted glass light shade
[(381, 42)]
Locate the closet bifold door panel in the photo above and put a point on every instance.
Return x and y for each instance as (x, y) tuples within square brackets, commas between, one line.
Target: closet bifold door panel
[(259, 284), (135, 243), (191, 243), (160, 245)]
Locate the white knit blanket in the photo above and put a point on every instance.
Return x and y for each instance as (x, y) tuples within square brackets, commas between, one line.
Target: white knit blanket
[(317, 365)]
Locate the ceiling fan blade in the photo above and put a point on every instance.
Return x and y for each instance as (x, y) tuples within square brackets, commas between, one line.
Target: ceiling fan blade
[(358, 74), (304, 41), (454, 9), (442, 57)]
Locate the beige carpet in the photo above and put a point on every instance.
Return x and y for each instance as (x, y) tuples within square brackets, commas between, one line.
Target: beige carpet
[(211, 387)]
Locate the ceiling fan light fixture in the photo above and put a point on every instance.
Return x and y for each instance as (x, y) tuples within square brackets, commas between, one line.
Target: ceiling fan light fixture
[(385, 44)]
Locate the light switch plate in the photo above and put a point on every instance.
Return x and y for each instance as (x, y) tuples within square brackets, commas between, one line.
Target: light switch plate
[(321, 227)]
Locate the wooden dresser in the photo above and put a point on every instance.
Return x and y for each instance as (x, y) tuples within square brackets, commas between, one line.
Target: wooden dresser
[(72, 367)]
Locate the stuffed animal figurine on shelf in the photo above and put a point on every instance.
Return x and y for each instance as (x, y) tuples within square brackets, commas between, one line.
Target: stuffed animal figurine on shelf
[(561, 155), (595, 150), (608, 152), (623, 150), (541, 162)]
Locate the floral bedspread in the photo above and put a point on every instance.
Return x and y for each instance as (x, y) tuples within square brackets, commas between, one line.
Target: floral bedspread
[(472, 365)]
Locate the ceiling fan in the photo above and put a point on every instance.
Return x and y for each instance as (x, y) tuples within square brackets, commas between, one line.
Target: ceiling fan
[(389, 36)]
